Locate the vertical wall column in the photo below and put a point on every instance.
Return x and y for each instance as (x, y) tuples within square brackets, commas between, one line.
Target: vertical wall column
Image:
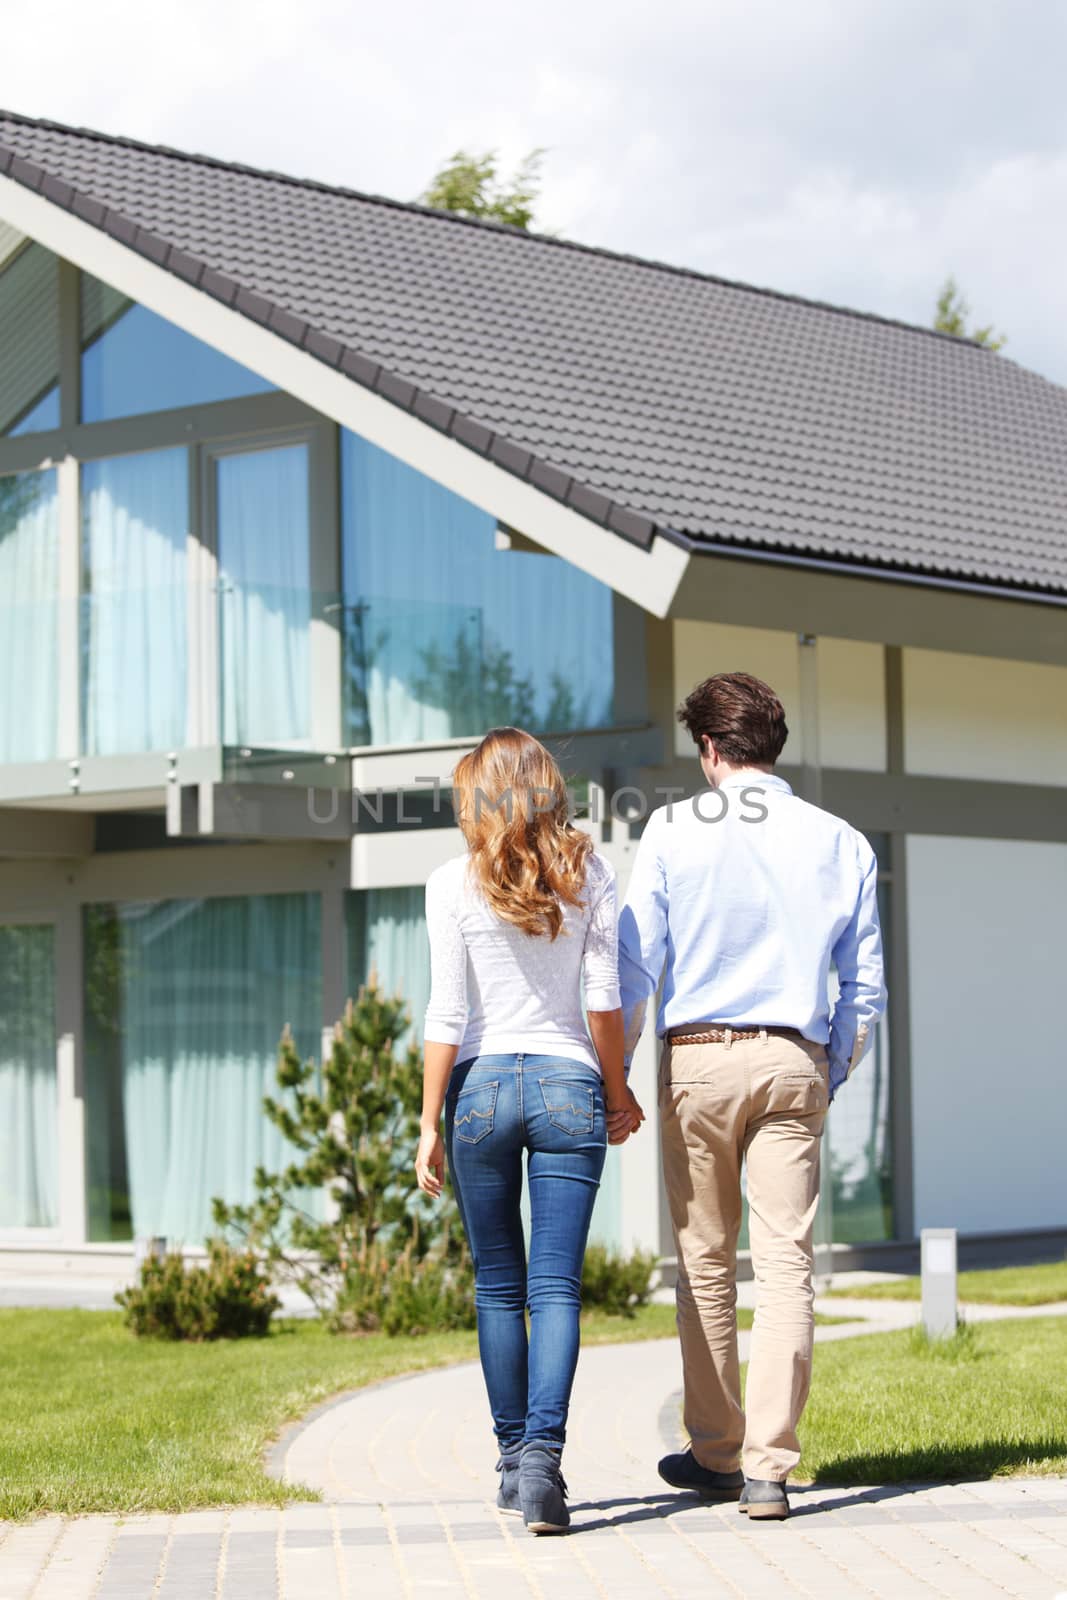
[(327, 615), (638, 1224), (811, 789), (68, 630), (334, 965), (69, 346), (202, 614), (70, 1071), (900, 1099), (808, 680)]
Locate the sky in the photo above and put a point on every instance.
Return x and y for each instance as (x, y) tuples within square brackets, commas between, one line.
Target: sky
[(856, 151)]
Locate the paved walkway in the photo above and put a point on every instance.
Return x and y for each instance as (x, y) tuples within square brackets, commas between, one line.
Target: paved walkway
[(406, 1475)]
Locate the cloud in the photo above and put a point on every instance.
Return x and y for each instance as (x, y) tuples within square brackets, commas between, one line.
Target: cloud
[(853, 152)]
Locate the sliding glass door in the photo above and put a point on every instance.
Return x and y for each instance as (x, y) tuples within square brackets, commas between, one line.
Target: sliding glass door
[(29, 1122), (185, 1002)]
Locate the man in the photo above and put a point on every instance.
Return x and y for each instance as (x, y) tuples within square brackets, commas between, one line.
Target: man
[(743, 900)]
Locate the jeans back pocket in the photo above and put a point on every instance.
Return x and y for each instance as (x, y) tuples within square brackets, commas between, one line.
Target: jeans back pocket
[(569, 1104), (475, 1108)]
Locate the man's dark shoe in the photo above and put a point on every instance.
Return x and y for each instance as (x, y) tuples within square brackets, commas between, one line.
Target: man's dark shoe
[(764, 1500), (541, 1489), (685, 1472), (507, 1496)]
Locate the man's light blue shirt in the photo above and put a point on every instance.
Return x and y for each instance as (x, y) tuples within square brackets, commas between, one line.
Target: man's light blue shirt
[(744, 898)]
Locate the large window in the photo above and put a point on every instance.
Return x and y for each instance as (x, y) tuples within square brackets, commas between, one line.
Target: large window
[(447, 635), (135, 518), (386, 936), (264, 595), (185, 1001), (856, 1150), (29, 341), (29, 1168), (134, 361), (29, 561)]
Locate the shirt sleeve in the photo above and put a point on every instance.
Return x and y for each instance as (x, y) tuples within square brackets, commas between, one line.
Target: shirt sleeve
[(600, 958), (862, 997), (642, 935), (446, 1014)]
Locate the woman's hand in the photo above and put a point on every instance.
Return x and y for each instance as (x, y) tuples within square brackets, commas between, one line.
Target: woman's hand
[(430, 1162), (624, 1118)]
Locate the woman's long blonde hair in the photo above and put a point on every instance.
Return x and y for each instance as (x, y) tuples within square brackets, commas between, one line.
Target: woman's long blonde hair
[(526, 857)]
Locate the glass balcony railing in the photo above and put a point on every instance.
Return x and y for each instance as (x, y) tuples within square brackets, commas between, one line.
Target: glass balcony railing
[(417, 671), (155, 668)]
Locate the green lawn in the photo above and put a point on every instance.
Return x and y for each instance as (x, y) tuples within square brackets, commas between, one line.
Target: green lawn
[(884, 1408), (93, 1420), (1000, 1286)]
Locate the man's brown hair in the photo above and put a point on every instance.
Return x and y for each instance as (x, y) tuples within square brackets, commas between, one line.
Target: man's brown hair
[(741, 715)]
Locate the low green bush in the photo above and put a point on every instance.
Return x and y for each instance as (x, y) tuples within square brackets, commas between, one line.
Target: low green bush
[(407, 1293), (616, 1283), (227, 1298)]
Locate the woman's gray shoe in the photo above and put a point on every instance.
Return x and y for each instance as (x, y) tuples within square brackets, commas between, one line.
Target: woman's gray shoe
[(507, 1496), (764, 1500), (541, 1490), (684, 1471)]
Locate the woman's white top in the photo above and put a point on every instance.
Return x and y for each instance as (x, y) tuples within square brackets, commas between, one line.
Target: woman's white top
[(498, 991)]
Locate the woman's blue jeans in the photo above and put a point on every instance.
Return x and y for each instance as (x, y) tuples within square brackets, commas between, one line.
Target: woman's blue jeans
[(496, 1108)]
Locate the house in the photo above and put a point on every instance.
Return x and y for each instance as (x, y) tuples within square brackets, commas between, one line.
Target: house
[(301, 489)]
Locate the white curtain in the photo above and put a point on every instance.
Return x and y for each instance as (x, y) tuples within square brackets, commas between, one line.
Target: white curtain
[(28, 1099), (201, 990), (29, 572), (135, 519), (265, 602), (444, 633), (387, 936)]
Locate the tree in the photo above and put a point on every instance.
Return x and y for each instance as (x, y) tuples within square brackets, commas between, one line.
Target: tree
[(475, 681), (353, 1126), (951, 317), (471, 186)]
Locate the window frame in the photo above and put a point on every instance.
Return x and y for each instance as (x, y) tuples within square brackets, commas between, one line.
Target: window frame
[(66, 1135)]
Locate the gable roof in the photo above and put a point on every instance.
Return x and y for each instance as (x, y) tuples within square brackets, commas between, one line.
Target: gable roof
[(654, 400)]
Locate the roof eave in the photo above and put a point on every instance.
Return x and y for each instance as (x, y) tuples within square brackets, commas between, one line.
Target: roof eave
[(745, 550), (554, 509)]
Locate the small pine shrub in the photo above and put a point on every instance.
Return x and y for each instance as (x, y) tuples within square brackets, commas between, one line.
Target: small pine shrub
[(406, 1293), (228, 1298), (429, 1295), (616, 1283), (352, 1128)]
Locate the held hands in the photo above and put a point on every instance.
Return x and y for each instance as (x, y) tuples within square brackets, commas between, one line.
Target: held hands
[(430, 1162), (624, 1117)]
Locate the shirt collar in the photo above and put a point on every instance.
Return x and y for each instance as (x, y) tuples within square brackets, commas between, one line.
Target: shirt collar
[(756, 780)]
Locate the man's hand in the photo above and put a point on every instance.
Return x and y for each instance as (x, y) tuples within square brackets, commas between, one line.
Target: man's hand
[(624, 1118), (836, 1076)]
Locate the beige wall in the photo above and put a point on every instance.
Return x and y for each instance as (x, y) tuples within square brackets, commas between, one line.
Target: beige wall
[(970, 717), (851, 686)]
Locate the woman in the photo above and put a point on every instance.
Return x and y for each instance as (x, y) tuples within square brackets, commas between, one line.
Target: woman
[(518, 927)]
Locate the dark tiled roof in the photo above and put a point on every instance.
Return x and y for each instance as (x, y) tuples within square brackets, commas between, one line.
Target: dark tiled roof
[(648, 397)]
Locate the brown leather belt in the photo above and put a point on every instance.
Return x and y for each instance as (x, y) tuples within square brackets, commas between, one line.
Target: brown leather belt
[(713, 1034)]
